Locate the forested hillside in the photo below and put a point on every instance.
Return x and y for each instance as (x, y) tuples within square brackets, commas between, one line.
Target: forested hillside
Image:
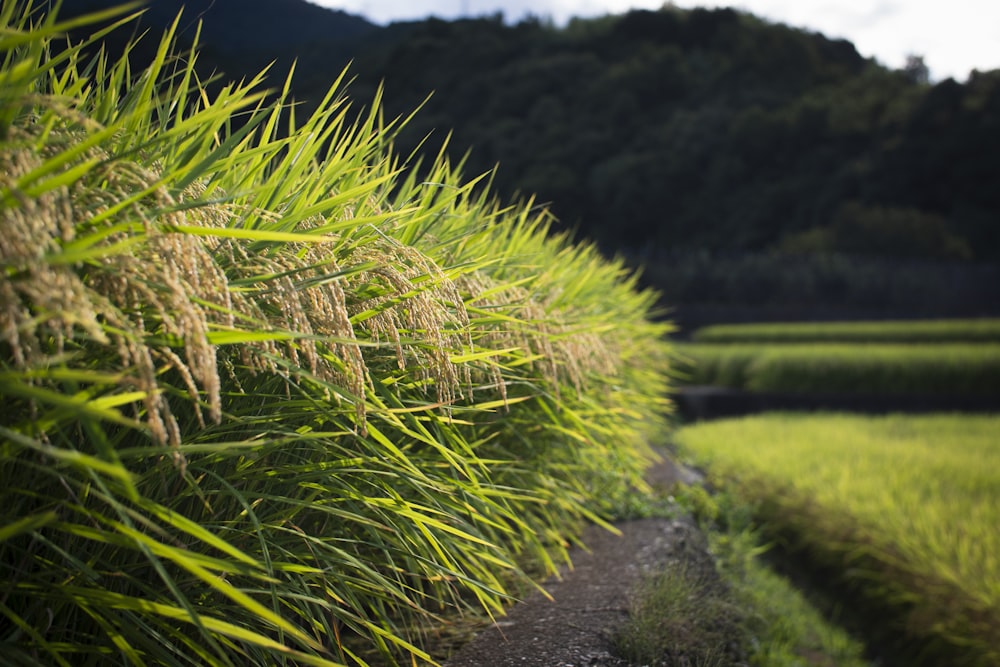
[(711, 129), (684, 140)]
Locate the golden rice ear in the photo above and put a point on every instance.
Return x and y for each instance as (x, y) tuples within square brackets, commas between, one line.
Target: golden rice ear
[(173, 258), (565, 350), (117, 299), (167, 285), (36, 294)]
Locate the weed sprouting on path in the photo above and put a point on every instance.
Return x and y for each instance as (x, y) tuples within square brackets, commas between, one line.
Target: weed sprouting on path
[(718, 604)]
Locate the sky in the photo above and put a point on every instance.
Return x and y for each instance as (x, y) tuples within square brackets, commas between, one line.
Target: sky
[(953, 36)]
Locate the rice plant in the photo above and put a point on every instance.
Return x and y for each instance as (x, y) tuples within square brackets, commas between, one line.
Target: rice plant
[(269, 396)]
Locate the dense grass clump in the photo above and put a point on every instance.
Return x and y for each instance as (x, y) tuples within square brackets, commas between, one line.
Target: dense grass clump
[(947, 368), (269, 397), (681, 615), (901, 510)]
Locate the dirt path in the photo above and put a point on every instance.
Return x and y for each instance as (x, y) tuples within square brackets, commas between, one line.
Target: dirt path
[(589, 601)]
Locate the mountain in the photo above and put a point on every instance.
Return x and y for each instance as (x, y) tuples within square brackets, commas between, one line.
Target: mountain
[(709, 129)]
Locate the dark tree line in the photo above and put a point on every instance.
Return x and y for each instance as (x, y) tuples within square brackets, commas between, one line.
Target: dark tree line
[(709, 129)]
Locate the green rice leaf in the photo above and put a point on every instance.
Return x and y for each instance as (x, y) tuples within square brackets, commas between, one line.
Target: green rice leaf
[(26, 525)]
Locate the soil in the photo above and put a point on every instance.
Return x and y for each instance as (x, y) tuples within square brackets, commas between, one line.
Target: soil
[(589, 601)]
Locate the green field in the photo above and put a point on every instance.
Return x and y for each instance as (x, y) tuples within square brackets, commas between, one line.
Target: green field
[(918, 331), (904, 507), (943, 368)]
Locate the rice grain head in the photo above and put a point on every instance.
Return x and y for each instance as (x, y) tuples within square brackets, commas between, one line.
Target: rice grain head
[(152, 295)]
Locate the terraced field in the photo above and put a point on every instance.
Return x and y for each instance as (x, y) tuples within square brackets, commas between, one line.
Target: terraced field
[(903, 509)]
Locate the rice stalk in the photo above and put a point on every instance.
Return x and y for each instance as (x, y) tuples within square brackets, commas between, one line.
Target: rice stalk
[(294, 404)]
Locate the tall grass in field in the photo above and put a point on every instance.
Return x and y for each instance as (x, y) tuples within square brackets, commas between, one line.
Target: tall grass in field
[(269, 397), (905, 507)]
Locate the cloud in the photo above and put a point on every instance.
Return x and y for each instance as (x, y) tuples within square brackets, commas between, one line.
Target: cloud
[(385, 11)]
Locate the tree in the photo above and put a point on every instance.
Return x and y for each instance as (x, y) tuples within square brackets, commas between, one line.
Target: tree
[(916, 70)]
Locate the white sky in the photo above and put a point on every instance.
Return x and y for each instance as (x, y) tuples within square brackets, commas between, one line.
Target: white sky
[(953, 36)]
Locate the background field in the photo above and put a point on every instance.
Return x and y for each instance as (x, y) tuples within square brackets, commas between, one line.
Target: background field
[(903, 509), (946, 368), (984, 330)]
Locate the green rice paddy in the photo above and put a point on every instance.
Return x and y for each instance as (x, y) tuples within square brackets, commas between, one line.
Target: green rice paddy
[(905, 507)]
